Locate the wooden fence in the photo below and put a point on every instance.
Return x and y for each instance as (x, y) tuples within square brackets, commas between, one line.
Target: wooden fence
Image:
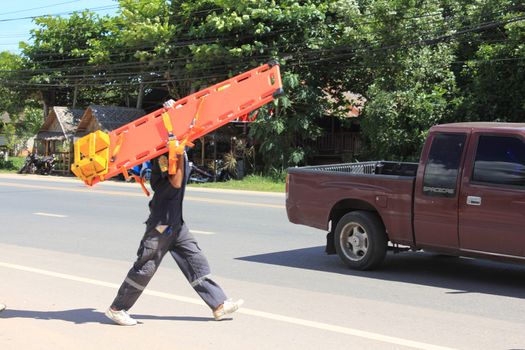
[(337, 143), (63, 163)]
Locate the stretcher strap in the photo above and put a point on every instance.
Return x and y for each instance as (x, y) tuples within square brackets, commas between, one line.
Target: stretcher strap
[(176, 147), (138, 179), (125, 173), (117, 146), (193, 125), (141, 182), (173, 145)]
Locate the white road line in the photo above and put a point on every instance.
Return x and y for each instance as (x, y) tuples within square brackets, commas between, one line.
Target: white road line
[(51, 215), (202, 232), (266, 315)]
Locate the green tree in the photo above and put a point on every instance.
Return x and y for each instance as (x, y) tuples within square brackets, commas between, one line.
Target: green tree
[(402, 71), (137, 52), (11, 95), (13, 101), (61, 62), (490, 66), (422, 94), (229, 37), (11, 136), (416, 63)]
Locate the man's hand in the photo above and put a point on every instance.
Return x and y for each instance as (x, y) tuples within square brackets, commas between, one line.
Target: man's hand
[(177, 178)]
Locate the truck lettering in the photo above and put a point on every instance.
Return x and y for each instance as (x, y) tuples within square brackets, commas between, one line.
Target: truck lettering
[(438, 190)]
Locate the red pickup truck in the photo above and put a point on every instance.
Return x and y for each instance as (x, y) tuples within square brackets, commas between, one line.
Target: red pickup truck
[(465, 197)]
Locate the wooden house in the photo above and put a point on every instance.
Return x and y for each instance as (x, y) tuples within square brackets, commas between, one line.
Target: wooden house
[(55, 137), (340, 140), (106, 118), (56, 134)]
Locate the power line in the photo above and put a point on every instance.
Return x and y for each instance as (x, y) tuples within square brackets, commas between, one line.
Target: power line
[(430, 41), (94, 9), (160, 66), (273, 32), (178, 43), (14, 35), (213, 39), (426, 42), (212, 76), (38, 8), (183, 44), (153, 67)]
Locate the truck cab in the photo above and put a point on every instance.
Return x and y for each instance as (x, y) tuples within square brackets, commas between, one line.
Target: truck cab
[(465, 197), (469, 194)]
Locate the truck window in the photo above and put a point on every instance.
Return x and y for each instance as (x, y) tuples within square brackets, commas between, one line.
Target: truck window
[(500, 160), (441, 170)]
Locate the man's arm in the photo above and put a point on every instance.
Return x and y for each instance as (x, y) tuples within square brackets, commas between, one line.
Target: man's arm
[(177, 178)]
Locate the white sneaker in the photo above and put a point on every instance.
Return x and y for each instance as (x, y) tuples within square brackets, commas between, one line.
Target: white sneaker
[(2, 307), (120, 317), (229, 307)]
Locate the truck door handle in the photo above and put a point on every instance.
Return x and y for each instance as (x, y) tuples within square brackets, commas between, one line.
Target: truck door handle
[(473, 200)]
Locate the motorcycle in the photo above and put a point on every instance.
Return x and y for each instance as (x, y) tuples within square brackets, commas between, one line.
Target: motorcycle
[(198, 175), (202, 175), (35, 164), (29, 166), (223, 174), (46, 165)]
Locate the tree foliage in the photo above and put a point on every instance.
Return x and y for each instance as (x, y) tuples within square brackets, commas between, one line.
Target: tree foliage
[(491, 63), (10, 96), (416, 63)]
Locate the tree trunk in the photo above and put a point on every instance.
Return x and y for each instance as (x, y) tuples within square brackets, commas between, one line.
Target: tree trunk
[(45, 109), (140, 97), (75, 95)]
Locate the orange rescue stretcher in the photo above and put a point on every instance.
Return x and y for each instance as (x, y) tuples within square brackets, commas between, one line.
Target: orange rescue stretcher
[(100, 156)]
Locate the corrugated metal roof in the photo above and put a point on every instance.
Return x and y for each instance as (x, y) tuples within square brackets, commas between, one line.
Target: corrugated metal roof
[(68, 118), (109, 117)]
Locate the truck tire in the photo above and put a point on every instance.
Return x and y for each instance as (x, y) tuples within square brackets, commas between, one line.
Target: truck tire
[(360, 240)]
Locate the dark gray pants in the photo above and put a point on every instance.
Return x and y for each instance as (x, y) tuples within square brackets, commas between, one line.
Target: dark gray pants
[(187, 254)]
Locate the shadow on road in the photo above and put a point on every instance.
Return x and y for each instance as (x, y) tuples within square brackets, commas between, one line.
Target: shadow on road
[(83, 316), (464, 275)]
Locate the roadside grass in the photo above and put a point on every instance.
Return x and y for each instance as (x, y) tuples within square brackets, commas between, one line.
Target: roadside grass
[(12, 165), (249, 183)]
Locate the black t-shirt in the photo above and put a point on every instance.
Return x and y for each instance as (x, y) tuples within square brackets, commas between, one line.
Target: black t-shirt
[(166, 204)]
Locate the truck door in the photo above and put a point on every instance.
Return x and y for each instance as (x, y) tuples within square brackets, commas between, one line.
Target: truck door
[(436, 192), (492, 200)]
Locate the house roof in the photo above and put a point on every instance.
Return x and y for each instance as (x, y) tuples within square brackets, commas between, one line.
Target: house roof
[(351, 106), (109, 117), (4, 117), (68, 119)]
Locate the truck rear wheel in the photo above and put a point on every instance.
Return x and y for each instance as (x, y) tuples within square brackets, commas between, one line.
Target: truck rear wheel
[(360, 240)]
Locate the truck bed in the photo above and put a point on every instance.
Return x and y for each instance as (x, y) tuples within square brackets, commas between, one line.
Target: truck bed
[(372, 168), (317, 194)]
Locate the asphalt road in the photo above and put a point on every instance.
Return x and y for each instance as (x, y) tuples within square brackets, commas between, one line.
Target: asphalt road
[(65, 248)]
